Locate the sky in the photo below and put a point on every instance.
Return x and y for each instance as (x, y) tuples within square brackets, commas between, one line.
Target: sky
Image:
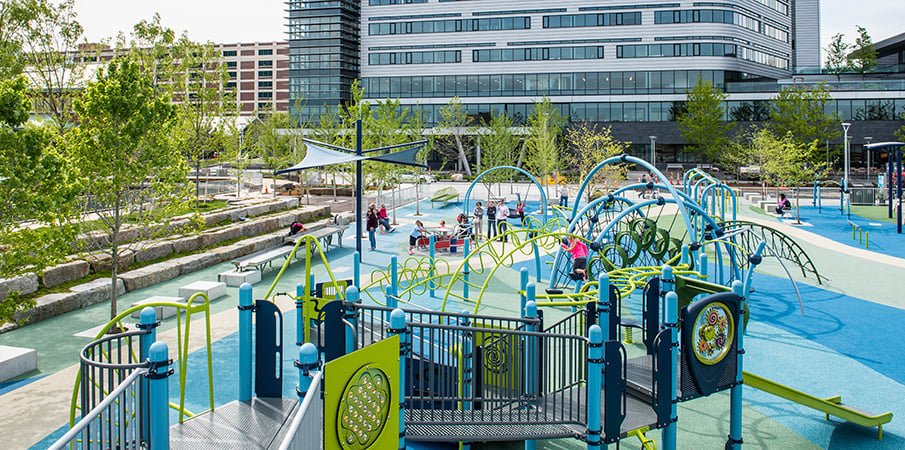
[(229, 21)]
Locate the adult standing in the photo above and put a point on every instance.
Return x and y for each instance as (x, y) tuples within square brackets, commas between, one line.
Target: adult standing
[(491, 220), (502, 214), (372, 224), (478, 219), (563, 194)]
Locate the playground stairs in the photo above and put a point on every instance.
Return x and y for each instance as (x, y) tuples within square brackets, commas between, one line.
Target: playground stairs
[(259, 423)]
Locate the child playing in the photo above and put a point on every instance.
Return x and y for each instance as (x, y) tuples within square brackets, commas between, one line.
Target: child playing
[(416, 233), (579, 257)]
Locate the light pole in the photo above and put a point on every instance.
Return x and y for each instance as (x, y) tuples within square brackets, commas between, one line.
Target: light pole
[(845, 188), (868, 139), (653, 150)]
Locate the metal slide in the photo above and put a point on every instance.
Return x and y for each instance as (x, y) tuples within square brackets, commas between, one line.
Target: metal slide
[(832, 406)]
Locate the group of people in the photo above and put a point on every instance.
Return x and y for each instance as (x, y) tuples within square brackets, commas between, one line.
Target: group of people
[(377, 218), (497, 216)]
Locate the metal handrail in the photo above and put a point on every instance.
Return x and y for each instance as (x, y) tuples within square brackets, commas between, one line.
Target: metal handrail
[(89, 350), (313, 392), (89, 418)]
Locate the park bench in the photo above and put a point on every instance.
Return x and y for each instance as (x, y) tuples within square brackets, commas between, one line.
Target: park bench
[(260, 260), (445, 195)]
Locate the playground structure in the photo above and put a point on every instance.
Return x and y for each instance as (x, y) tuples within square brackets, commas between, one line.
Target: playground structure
[(677, 270)]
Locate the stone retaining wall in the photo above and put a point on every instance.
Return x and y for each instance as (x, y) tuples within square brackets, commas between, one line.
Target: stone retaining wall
[(99, 290)]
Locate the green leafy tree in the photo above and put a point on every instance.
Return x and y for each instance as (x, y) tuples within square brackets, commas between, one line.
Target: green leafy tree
[(204, 104), (864, 57), (801, 111), (499, 147), (329, 129), (702, 124), (56, 67), (454, 121), (590, 144), (753, 111), (545, 124), (38, 188), (785, 161), (271, 143), (837, 54), (121, 146), (14, 16)]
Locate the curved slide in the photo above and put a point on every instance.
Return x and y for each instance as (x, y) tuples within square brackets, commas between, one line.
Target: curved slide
[(832, 406)]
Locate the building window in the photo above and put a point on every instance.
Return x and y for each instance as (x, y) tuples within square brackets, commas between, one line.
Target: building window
[(230, 64), (265, 63), (228, 53), (441, 57), (592, 20), (265, 95), (231, 85), (265, 84), (450, 26), (265, 52), (231, 74), (537, 54), (265, 105), (265, 73)]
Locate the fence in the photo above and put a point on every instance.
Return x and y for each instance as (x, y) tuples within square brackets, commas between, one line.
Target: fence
[(105, 364), (305, 431), (117, 421)]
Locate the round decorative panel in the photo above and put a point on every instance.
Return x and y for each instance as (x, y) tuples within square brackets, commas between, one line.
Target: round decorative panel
[(364, 408), (713, 336)]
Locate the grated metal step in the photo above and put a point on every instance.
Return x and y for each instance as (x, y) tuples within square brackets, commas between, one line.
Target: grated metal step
[(258, 424)]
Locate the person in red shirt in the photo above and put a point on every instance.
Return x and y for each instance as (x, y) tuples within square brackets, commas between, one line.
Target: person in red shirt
[(384, 219), (579, 253)]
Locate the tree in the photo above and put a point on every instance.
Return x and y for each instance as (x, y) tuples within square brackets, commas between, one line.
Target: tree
[(56, 69), (590, 144), (837, 56), (204, 104), (121, 147), (785, 161), (753, 111), (499, 147), (864, 58), (801, 111), (544, 127), (702, 124), (454, 120), (14, 15), (37, 184), (272, 146)]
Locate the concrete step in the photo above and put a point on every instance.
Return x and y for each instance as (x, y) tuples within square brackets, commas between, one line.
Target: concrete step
[(235, 278), (163, 312), (15, 361), (212, 289)]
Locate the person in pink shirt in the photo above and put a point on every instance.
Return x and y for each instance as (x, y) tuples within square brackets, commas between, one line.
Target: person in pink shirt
[(579, 253)]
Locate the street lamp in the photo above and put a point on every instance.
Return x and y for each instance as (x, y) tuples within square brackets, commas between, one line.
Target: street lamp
[(653, 150), (868, 139), (845, 126)]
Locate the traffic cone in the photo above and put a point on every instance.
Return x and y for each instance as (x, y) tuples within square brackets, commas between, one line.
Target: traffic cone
[(265, 190)]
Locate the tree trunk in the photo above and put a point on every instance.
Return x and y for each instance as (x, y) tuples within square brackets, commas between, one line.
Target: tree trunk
[(463, 160)]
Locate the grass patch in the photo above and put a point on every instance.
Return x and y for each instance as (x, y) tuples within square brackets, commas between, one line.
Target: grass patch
[(877, 213)]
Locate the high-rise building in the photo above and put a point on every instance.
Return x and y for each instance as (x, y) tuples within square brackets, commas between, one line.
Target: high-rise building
[(259, 72)]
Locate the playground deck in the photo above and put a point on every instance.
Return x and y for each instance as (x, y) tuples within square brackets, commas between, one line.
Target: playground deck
[(845, 344)]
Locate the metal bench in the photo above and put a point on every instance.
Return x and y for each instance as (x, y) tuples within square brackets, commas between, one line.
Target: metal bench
[(260, 260), (324, 235), (445, 195)]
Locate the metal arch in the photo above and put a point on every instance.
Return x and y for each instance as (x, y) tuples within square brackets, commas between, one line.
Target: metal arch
[(543, 195), (630, 159), (721, 187), (781, 245)]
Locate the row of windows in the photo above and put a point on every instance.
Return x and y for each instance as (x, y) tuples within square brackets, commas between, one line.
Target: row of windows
[(667, 50), (261, 74), (450, 26), (393, 2), (506, 85), (441, 57), (592, 20), (537, 54), (520, 11), (323, 65), (647, 6), (707, 16), (317, 4), (261, 52), (763, 58), (416, 16), (776, 5), (658, 111)]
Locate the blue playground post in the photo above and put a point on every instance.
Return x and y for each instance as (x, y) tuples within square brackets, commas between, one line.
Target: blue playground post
[(684, 259), (735, 399), (397, 327), (431, 284), (356, 266), (819, 198), (159, 396), (393, 292), (148, 322), (306, 363), (354, 296), (537, 260), (668, 436), (245, 306), (523, 285), (531, 355), (595, 384), (702, 265), (465, 255), (603, 299)]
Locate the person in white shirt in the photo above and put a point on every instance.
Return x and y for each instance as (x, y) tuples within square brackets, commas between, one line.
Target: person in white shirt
[(502, 214)]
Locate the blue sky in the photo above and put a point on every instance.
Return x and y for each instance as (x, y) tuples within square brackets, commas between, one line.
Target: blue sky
[(227, 21)]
